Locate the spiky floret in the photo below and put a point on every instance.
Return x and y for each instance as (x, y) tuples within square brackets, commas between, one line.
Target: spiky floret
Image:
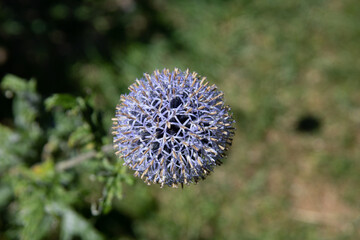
[(172, 128)]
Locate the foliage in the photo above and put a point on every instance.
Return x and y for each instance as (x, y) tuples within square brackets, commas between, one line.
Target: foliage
[(39, 192)]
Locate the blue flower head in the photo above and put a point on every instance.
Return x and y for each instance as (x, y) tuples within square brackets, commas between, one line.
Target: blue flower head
[(172, 128)]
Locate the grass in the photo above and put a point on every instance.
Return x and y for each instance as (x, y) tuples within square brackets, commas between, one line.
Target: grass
[(277, 62)]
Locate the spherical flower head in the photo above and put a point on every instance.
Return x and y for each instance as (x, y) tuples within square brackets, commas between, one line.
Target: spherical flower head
[(172, 128)]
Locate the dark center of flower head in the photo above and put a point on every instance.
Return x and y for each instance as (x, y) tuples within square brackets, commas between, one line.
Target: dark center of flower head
[(175, 102), (172, 128)]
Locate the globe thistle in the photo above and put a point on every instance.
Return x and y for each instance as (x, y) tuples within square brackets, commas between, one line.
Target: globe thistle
[(172, 128)]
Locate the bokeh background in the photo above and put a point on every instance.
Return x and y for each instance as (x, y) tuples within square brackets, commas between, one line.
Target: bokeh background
[(290, 71)]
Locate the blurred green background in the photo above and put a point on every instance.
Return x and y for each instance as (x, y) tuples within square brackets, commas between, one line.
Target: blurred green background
[(290, 71)]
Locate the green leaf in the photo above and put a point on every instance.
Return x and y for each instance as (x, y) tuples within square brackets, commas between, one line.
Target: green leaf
[(26, 101), (34, 221), (66, 101), (7, 152), (17, 84), (113, 189), (5, 195), (43, 171), (81, 135), (73, 224), (26, 111)]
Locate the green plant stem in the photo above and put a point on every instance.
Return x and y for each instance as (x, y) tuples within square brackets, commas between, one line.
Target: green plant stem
[(72, 162)]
